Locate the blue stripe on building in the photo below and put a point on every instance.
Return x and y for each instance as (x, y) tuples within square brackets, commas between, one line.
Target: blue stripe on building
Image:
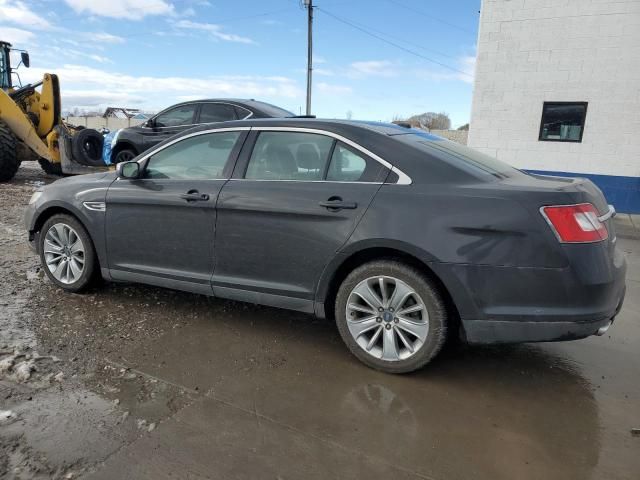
[(621, 192)]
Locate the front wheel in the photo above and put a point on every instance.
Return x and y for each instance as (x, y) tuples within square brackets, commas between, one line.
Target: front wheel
[(391, 316), (67, 253)]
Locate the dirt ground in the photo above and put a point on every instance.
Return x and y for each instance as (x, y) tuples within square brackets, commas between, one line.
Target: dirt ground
[(129, 381)]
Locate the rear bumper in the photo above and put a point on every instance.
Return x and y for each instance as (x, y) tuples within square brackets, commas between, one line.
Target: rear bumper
[(513, 331), (524, 304)]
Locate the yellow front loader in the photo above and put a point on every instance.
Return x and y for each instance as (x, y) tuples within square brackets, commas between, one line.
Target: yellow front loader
[(31, 126)]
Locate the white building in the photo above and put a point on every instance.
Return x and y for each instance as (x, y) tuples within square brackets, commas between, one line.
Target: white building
[(557, 90)]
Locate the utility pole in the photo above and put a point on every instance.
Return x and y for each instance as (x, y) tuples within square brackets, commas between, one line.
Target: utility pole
[(309, 5)]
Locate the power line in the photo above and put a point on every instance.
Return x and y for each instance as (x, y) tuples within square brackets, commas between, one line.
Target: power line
[(386, 34), (407, 50), (420, 12)]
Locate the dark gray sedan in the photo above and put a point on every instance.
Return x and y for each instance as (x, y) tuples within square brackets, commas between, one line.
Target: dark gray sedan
[(404, 238)]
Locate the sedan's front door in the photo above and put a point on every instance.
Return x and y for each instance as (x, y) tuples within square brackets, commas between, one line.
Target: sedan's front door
[(160, 228), (281, 223)]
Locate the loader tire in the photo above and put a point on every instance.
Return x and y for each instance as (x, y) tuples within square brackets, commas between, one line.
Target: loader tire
[(86, 146), (50, 168), (9, 161)]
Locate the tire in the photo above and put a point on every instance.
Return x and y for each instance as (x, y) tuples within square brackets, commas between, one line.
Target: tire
[(124, 155), (62, 273), (86, 146), (9, 161), (428, 324), (50, 168)]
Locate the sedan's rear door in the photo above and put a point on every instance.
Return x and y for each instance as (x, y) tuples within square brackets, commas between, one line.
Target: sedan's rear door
[(293, 201)]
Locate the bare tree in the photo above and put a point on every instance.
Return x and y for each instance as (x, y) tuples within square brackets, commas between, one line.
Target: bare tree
[(431, 121), (349, 115)]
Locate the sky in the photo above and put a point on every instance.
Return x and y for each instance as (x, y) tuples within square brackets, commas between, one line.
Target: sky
[(373, 60)]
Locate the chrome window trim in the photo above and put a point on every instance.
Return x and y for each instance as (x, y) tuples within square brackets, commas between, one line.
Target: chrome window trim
[(403, 178)]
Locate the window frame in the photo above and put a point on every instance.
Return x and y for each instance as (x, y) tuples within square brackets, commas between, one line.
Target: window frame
[(229, 168), (553, 103), (242, 163)]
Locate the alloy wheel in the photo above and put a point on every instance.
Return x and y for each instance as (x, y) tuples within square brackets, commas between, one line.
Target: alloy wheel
[(387, 318), (64, 253)]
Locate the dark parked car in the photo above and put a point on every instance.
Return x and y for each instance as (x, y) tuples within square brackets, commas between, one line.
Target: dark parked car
[(184, 116), (403, 237)]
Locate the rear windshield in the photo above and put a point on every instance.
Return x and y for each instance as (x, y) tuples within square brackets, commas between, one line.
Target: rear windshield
[(274, 111), (470, 157)]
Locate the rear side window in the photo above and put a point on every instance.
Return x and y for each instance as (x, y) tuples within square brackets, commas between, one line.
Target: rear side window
[(289, 156), (243, 113), (199, 157), (346, 165), (310, 157), (217, 112), (182, 115)]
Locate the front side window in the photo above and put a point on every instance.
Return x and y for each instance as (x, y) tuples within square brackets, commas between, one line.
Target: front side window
[(289, 156), (562, 121), (182, 115), (200, 157), (217, 112)]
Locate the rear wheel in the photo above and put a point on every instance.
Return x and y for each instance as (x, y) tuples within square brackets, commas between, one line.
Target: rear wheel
[(9, 161), (124, 155), (391, 316), (67, 253)]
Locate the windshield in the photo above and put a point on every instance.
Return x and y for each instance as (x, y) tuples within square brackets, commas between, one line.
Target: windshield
[(4, 69), (470, 157), (274, 111)]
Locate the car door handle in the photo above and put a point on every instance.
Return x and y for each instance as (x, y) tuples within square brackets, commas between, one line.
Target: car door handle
[(195, 196), (338, 204)]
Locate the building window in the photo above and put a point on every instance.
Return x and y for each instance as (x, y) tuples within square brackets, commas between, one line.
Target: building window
[(562, 121)]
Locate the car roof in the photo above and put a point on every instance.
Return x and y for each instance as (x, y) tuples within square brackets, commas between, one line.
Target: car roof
[(332, 125)]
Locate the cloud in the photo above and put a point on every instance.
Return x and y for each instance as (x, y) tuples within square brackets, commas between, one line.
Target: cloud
[(466, 65), (214, 30), (84, 86), (127, 9), (324, 72), (18, 13), (373, 68), (334, 89), (102, 37), (75, 54), (16, 36)]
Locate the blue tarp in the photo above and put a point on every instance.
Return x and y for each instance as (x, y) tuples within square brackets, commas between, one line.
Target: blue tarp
[(110, 140)]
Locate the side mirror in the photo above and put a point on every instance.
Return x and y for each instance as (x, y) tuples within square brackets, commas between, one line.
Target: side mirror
[(151, 123), (130, 170), (25, 58)]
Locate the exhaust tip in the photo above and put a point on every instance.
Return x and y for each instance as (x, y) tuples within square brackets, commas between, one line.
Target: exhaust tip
[(602, 330)]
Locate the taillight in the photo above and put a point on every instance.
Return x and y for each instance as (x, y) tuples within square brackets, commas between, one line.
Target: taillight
[(575, 223)]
